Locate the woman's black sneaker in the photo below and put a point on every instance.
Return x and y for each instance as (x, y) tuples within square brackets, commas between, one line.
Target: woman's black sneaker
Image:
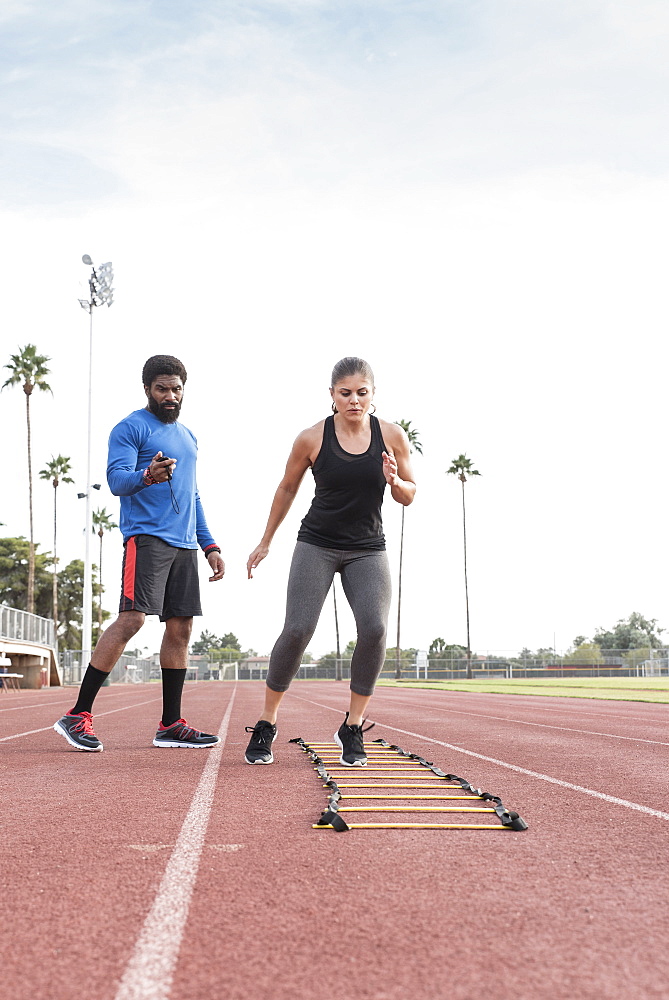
[(350, 740), (259, 750)]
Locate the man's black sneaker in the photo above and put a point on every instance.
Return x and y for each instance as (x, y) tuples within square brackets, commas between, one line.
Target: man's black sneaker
[(349, 739), (180, 734), (78, 731), (259, 750)]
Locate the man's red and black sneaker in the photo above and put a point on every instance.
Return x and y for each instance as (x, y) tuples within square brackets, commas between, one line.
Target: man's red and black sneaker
[(180, 734), (78, 731)]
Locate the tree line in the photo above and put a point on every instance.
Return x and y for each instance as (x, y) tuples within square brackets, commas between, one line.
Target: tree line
[(24, 571)]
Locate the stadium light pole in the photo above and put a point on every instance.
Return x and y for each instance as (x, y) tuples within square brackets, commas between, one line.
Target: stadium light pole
[(101, 294)]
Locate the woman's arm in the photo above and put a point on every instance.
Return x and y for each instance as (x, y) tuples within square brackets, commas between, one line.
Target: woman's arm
[(397, 464), (298, 462)]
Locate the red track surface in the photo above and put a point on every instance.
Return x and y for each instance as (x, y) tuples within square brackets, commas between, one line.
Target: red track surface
[(96, 894)]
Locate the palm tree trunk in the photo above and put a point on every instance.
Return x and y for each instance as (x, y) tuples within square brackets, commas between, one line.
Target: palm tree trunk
[(55, 567), (31, 557), (464, 538), (398, 666), (338, 663)]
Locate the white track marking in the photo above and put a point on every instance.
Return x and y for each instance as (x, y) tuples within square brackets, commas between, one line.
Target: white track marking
[(514, 767), (543, 725), (522, 701), (50, 704), (98, 715), (112, 694), (40, 704), (148, 974)]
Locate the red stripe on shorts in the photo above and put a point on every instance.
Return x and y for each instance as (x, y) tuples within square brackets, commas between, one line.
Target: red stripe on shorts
[(129, 565)]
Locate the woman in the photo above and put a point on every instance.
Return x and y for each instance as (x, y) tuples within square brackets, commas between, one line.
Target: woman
[(352, 455)]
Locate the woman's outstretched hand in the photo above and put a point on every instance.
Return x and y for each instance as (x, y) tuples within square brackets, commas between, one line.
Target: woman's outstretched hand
[(256, 558)]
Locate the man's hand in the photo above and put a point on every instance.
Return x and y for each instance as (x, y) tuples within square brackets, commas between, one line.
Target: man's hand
[(159, 468), (215, 560)]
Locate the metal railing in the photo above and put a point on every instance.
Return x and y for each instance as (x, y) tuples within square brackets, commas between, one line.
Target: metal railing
[(24, 627)]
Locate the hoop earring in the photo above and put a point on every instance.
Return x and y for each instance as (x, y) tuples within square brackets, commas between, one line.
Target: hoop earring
[(334, 408), (374, 408)]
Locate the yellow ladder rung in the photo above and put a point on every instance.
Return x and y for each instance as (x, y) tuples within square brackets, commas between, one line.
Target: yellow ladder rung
[(384, 755), (369, 770), (422, 797), (417, 826), (333, 746), (379, 761), (417, 809), (395, 785), (382, 777)]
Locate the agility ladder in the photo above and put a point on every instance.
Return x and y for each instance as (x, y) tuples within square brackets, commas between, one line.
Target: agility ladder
[(390, 763)]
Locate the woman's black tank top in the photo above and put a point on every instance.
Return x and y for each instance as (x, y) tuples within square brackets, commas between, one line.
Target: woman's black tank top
[(346, 510)]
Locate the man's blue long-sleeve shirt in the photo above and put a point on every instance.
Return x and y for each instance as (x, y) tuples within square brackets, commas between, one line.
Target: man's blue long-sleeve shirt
[(148, 510)]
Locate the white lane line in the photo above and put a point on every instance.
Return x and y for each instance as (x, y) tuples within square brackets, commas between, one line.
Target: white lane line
[(98, 715), (514, 767), (148, 974), (40, 704), (575, 704), (542, 725)]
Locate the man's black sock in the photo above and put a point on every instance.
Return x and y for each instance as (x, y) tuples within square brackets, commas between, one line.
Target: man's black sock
[(90, 685), (173, 684)]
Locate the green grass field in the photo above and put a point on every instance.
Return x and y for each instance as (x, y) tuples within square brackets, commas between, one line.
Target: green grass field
[(654, 689)]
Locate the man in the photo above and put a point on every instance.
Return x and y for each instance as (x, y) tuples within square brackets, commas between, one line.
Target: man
[(151, 468)]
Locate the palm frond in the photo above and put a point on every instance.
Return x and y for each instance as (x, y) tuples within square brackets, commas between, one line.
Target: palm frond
[(412, 434), (462, 466), (28, 367)]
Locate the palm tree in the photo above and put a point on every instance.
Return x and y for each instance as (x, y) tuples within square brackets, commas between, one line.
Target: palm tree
[(414, 445), (30, 368), (102, 520), (56, 471), (462, 467)]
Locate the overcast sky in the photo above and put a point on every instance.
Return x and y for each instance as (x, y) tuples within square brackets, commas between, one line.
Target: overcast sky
[(470, 195)]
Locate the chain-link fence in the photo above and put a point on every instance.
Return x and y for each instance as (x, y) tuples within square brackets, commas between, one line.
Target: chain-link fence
[(491, 665), (127, 670), (574, 663)]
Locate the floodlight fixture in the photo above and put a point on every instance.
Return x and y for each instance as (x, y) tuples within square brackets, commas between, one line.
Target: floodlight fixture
[(97, 486), (80, 496)]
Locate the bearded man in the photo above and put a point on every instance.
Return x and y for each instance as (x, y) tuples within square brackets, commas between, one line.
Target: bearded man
[(151, 467)]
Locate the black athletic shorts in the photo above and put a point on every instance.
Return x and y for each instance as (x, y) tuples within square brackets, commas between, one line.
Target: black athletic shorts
[(159, 579)]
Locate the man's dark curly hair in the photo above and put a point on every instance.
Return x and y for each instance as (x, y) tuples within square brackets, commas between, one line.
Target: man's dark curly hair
[(162, 364)]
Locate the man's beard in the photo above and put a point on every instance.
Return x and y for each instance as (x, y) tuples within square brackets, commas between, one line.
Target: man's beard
[(168, 415)]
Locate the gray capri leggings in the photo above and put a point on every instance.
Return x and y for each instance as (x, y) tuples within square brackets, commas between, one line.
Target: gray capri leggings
[(365, 577)]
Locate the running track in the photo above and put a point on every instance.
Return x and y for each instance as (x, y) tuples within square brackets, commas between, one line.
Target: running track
[(140, 873)]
